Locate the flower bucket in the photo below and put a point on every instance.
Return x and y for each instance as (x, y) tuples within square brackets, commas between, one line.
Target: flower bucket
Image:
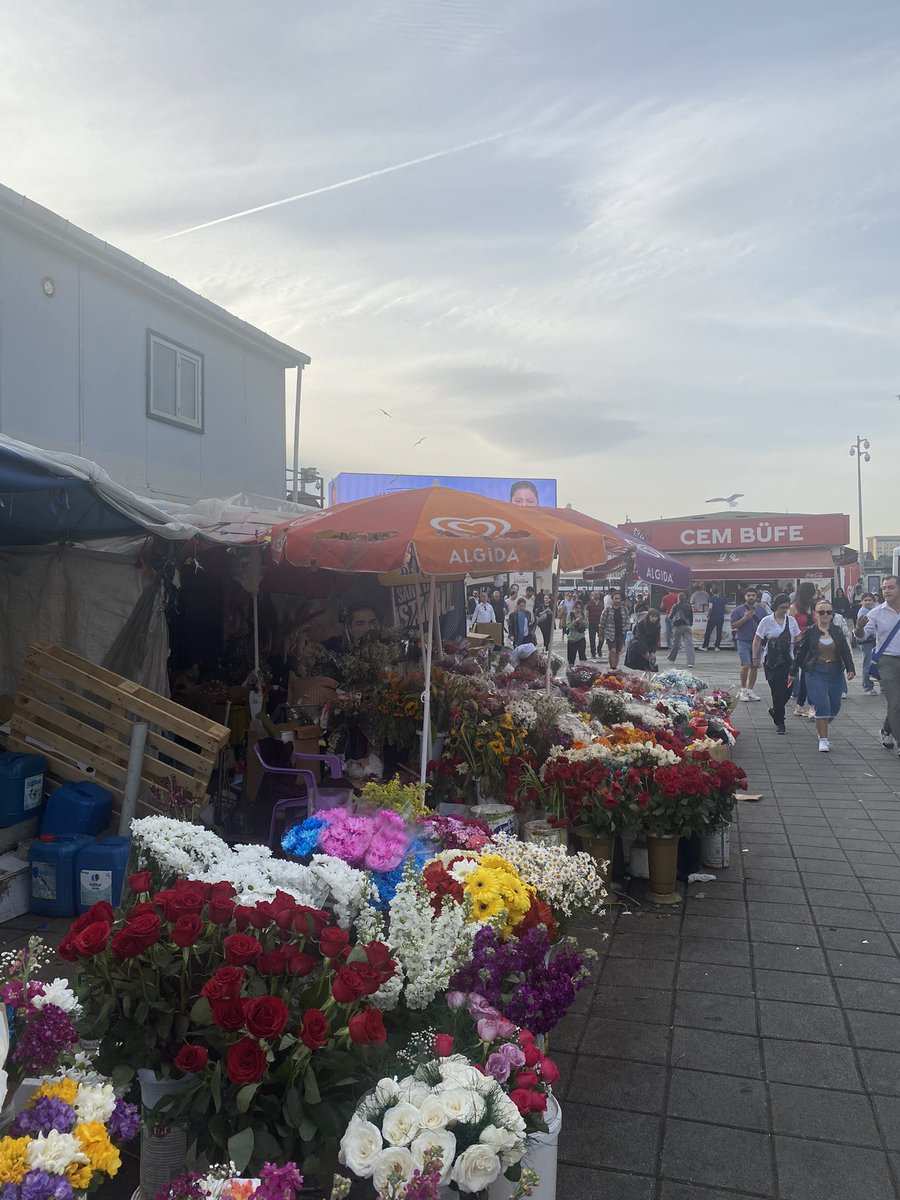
[(716, 847), (501, 818), (163, 1146), (662, 853), (638, 861), (601, 851), (540, 1155), (542, 833)]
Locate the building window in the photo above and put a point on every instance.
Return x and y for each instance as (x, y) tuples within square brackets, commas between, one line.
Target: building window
[(174, 382)]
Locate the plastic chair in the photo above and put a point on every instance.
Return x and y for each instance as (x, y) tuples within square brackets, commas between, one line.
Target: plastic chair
[(333, 793)]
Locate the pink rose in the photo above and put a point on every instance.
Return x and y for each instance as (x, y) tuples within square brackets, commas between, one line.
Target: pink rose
[(491, 1028), (549, 1071), (479, 1007), (498, 1067), (443, 1045), (456, 999), (513, 1054)]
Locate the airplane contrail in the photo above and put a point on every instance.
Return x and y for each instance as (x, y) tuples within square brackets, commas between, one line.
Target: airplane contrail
[(331, 187)]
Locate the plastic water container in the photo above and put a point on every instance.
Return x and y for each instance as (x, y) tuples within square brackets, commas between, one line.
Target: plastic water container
[(83, 807), (21, 787), (51, 861), (101, 868)]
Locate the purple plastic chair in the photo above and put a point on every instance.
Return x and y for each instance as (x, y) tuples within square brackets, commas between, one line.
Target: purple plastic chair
[(332, 793)]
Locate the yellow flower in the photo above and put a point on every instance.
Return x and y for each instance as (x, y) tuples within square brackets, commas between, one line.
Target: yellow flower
[(486, 906), (79, 1175), (64, 1089), (13, 1159), (101, 1152)]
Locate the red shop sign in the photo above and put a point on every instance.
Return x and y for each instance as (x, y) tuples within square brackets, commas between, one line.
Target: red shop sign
[(764, 532)]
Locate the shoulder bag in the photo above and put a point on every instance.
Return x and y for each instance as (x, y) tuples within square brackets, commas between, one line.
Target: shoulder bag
[(876, 654)]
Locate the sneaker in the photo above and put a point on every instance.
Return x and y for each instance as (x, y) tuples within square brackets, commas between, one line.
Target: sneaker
[(753, 696), (743, 694), (701, 649), (887, 741), (824, 745), (780, 729), (869, 692), (810, 712), (798, 711)]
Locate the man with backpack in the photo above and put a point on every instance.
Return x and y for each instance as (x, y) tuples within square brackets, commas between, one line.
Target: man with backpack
[(773, 645)]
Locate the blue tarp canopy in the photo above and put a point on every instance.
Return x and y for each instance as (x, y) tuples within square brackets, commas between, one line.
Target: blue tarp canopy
[(47, 498)]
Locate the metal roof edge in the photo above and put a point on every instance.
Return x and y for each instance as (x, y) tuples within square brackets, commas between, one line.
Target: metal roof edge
[(78, 241)]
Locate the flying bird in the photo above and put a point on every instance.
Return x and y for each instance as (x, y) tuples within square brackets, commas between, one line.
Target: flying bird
[(386, 413), (418, 443), (731, 500)]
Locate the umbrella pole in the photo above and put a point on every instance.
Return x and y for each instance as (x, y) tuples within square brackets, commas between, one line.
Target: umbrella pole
[(426, 694), (554, 604)]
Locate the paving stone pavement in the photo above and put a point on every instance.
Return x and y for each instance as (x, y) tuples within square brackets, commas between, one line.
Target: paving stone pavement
[(748, 1043)]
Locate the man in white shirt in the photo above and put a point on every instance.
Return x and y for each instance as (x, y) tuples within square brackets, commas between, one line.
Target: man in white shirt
[(700, 599), (882, 619), (484, 611)]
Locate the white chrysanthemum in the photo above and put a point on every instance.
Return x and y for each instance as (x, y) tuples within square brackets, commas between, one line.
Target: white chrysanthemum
[(441, 1140), (53, 1152), (94, 1103), (396, 1162), (360, 1147), (60, 994)]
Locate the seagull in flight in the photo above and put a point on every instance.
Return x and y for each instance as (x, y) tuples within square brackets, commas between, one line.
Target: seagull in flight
[(386, 413), (418, 443), (731, 500)]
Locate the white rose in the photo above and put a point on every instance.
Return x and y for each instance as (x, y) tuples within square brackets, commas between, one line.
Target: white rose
[(396, 1160), (360, 1147), (414, 1091), (476, 1168), (387, 1091), (400, 1124), (94, 1103), (432, 1114), (437, 1139), (461, 1104), (53, 1152), (507, 1145), (464, 1075)]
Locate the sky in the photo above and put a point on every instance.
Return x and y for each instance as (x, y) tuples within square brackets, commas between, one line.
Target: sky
[(667, 270)]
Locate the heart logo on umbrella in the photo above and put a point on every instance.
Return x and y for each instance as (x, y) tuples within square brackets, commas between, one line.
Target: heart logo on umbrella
[(477, 527)]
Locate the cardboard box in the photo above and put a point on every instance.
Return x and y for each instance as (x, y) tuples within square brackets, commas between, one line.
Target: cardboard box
[(493, 629), (15, 893)]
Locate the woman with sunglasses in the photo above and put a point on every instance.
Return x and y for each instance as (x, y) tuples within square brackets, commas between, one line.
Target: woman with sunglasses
[(823, 654)]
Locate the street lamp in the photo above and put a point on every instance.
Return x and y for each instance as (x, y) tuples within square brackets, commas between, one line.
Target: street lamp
[(860, 450)]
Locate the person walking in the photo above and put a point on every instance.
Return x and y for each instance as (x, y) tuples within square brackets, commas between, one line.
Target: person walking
[(543, 615), (611, 629), (842, 605), (824, 655), (883, 623), (576, 628), (483, 613), (668, 602), (594, 612), (641, 652), (801, 610), (520, 624), (745, 620), (715, 621), (773, 645), (682, 617), (866, 644)]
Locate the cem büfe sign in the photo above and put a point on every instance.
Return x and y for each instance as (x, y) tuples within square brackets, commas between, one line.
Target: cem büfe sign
[(827, 529)]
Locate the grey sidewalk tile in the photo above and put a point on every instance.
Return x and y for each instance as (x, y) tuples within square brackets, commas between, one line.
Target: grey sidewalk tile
[(718, 1099), (568, 1033), (720, 1053), (626, 944), (715, 927), (845, 918), (716, 950), (630, 1039), (636, 972), (823, 854), (802, 1022), (811, 1065), (840, 898), (618, 1083), (885, 904), (817, 881), (672, 1190), (864, 966), (704, 1010), (788, 985), (810, 866), (888, 1110), (775, 893), (780, 912), (875, 1031), (713, 1154), (788, 933), (816, 1113), (811, 1170), (861, 941), (714, 977), (808, 960), (631, 1004), (650, 924), (869, 995), (719, 889), (707, 906), (608, 1137), (587, 1183), (770, 877)]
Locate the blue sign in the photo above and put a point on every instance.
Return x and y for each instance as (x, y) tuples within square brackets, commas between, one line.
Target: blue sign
[(530, 493)]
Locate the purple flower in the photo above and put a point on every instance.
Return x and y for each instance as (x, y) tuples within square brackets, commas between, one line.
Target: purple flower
[(498, 1066), (45, 1114), (43, 1037), (38, 1185), (279, 1183), (124, 1122), (9, 1191), (512, 1054), (183, 1187), (456, 999)]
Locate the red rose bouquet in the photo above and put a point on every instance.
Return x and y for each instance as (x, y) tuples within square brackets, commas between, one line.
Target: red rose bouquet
[(269, 1008)]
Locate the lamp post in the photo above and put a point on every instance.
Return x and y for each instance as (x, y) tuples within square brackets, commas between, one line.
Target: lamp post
[(860, 451)]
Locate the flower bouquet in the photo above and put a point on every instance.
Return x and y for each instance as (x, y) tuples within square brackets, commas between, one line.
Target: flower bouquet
[(220, 1183), (41, 1015), (681, 800), (485, 749), (268, 1008), (579, 788), (65, 1140), (569, 883), (447, 1107)]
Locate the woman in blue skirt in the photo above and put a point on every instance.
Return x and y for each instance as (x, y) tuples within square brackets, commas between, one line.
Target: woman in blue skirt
[(823, 654)]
